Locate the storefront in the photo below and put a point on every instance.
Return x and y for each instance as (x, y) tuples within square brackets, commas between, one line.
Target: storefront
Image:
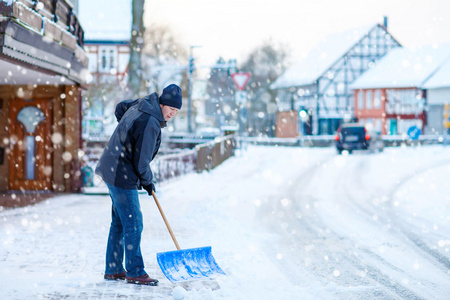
[(42, 71)]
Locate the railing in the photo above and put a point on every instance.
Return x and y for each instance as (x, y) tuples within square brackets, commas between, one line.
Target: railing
[(212, 154), (164, 167), (404, 140), (328, 140), (53, 18), (203, 157), (305, 141), (173, 165)]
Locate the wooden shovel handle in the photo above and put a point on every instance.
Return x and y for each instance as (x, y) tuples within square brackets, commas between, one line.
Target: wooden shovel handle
[(165, 221)]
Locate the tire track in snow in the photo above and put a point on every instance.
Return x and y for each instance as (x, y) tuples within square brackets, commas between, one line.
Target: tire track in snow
[(312, 247), (373, 271), (443, 261), (408, 233), (317, 243), (397, 228), (306, 237), (280, 219)]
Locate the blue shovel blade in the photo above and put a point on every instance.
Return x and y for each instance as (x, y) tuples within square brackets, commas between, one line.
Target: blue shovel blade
[(189, 264)]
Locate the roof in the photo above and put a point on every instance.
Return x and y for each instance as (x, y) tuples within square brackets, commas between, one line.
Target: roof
[(440, 79), (105, 19), (404, 67), (23, 47), (321, 58)]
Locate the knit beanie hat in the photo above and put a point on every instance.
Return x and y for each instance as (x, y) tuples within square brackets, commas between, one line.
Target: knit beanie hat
[(171, 96)]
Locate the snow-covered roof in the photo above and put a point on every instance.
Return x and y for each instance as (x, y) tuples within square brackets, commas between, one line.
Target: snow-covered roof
[(321, 58), (105, 20), (440, 79), (404, 67)]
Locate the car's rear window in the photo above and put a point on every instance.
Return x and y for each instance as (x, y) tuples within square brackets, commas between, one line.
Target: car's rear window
[(352, 130)]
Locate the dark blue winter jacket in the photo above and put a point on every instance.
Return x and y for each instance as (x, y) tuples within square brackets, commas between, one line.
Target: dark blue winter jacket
[(125, 162)]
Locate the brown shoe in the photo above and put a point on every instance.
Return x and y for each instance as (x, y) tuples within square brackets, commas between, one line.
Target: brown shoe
[(144, 279), (120, 276)]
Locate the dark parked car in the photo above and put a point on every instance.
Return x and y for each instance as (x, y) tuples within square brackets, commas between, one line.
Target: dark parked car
[(352, 136)]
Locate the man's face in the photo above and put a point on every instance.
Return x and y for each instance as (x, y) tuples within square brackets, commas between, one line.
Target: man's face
[(168, 112)]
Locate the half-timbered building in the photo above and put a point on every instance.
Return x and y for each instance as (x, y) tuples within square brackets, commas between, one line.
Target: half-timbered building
[(319, 83)]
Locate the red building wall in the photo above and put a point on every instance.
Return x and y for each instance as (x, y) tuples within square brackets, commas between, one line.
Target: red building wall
[(379, 113)]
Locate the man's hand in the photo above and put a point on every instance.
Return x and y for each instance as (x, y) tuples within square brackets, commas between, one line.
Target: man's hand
[(149, 188)]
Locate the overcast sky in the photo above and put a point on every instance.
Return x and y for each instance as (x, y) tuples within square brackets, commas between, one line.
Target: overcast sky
[(233, 28)]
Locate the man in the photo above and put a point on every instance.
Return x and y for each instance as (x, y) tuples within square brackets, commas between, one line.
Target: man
[(125, 168)]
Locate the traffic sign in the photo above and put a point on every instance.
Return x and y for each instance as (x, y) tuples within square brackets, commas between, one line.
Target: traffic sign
[(241, 79), (414, 132), (240, 97)]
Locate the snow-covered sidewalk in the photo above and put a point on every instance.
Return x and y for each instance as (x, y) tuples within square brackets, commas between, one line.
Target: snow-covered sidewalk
[(55, 250)]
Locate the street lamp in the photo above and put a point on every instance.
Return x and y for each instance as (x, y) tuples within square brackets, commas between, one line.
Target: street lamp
[(191, 68)]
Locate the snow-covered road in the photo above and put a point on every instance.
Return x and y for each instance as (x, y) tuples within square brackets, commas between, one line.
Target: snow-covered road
[(284, 223), (357, 226)]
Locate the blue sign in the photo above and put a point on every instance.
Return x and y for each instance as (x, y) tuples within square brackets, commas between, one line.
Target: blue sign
[(414, 132)]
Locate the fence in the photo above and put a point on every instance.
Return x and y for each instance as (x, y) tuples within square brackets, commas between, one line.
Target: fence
[(328, 141), (212, 154), (172, 165), (203, 157)]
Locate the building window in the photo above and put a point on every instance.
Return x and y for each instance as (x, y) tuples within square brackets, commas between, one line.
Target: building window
[(369, 99), (112, 63), (104, 60), (377, 100), (377, 125), (30, 117), (108, 59), (361, 99), (403, 101), (92, 62)]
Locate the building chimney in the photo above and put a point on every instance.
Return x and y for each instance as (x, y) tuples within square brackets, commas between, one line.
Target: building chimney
[(385, 22)]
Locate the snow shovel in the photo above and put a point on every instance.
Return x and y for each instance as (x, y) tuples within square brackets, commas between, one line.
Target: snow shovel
[(187, 264)]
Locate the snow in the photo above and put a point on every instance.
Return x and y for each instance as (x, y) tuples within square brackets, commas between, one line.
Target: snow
[(283, 223), (404, 67), (321, 58), (441, 79), (179, 293), (105, 19)]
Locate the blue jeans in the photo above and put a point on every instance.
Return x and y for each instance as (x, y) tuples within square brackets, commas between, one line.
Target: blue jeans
[(125, 233)]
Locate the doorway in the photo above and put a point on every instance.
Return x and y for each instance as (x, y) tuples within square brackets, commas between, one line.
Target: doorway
[(30, 144)]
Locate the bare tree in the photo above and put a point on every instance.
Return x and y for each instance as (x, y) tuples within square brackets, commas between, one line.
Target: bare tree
[(165, 57), (265, 63), (135, 78), (160, 43)]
